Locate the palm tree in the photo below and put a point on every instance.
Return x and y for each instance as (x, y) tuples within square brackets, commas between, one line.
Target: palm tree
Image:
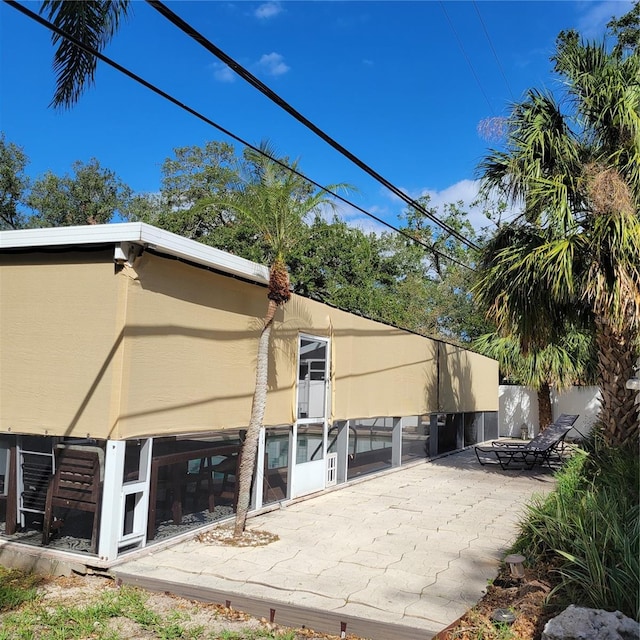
[(558, 364), (276, 201), (573, 254), (92, 22)]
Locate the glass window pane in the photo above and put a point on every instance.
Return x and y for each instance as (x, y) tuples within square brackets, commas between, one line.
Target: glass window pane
[(276, 468), (312, 376), (309, 444), (370, 446), (415, 438)]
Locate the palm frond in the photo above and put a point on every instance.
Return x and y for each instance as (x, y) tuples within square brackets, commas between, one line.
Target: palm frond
[(92, 22)]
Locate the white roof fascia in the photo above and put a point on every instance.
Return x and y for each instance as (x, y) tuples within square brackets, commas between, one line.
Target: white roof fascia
[(139, 233)]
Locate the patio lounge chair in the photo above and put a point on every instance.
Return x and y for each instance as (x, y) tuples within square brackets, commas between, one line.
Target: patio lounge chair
[(516, 455)]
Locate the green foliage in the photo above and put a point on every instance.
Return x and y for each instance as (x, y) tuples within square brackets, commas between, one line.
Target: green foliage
[(626, 30), (570, 360), (13, 184), (92, 195), (589, 528), (196, 173), (442, 287), (276, 201), (91, 22)]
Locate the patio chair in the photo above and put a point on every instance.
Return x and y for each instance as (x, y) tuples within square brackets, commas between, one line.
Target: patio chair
[(518, 455), (75, 485), (566, 420)]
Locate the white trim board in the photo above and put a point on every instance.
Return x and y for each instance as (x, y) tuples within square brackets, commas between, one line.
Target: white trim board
[(138, 233)]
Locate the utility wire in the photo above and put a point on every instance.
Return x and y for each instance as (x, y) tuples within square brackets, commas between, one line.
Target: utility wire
[(175, 101), (495, 55), (274, 97), (466, 57)]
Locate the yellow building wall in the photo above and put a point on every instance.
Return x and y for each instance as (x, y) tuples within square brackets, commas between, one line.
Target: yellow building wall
[(58, 343), (164, 347), (468, 381)]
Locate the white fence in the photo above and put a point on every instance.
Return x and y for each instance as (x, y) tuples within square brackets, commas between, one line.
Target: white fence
[(519, 406)]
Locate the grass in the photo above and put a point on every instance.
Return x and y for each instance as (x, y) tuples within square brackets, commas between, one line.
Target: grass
[(589, 530), (25, 615), (16, 587)]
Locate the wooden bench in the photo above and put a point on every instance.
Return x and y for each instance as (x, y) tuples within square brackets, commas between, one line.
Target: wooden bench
[(75, 485)]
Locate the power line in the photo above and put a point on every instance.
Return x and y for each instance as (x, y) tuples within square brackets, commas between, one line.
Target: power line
[(466, 57), (274, 97), (175, 101), (495, 55)]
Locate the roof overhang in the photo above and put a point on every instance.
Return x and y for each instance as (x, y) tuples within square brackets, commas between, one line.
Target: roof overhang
[(124, 235)]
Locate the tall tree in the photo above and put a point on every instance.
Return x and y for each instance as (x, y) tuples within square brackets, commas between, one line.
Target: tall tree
[(91, 195), (14, 184), (574, 252), (276, 201), (92, 22), (446, 307)]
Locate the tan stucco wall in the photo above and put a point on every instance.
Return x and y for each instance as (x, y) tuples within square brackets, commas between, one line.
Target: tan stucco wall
[(164, 347), (468, 381), (378, 370), (57, 332), (190, 347)]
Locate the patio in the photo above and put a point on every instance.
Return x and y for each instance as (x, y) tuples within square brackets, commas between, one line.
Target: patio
[(401, 555)]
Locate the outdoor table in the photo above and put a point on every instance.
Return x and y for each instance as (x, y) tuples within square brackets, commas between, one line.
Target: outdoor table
[(178, 460)]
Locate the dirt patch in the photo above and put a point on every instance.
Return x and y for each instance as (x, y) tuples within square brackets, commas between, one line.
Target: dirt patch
[(525, 598), (249, 538)]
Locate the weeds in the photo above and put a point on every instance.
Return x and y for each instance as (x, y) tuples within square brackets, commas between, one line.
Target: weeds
[(26, 616)]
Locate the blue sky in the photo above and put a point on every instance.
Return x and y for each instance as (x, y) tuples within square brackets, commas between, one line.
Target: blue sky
[(402, 85)]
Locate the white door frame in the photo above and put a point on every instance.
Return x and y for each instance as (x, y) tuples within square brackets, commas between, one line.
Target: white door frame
[(311, 476)]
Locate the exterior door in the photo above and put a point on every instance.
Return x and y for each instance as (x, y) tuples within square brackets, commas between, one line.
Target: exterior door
[(310, 431)]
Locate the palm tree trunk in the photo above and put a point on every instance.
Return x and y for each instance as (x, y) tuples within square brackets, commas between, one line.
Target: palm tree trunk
[(250, 445), (616, 358), (545, 412)]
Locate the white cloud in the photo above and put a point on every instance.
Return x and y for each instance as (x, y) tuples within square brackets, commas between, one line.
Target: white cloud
[(465, 191), (268, 10), (593, 22), (223, 73), (355, 218), (273, 64)]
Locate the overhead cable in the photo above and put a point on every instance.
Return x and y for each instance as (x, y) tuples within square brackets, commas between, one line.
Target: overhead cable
[(245, 74), (466, 57), (175, 101), (495, 55)]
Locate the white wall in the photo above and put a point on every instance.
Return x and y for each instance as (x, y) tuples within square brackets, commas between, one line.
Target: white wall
[(516, 406), (519, 405)]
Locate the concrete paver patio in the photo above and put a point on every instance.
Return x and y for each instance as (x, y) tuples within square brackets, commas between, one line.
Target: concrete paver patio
[(413, 548)]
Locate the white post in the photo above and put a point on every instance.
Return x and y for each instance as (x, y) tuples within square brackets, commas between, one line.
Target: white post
[(258, 481), (111, 509), (396, 443)]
